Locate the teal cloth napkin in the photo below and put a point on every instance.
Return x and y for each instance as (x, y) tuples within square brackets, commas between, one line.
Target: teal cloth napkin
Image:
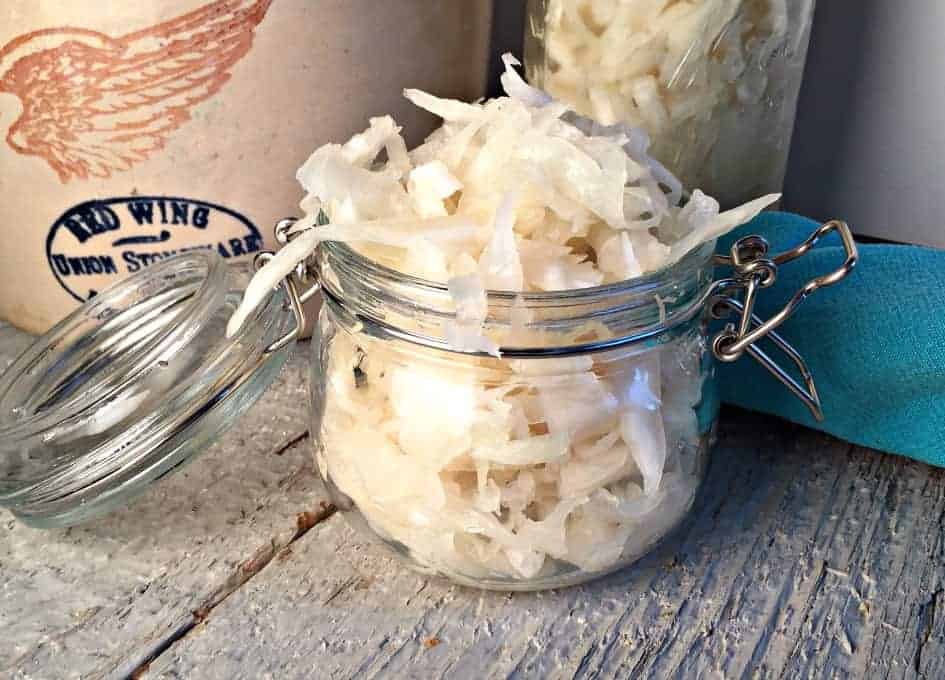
[(875, 342)]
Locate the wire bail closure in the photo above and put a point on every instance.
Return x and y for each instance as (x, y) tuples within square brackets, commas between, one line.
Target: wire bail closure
[(754, 270), (300, 286)]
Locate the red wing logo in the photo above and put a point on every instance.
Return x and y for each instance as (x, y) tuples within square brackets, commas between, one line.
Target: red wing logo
[(94, 105)]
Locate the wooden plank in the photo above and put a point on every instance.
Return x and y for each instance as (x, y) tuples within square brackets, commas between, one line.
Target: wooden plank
[(807, 558), (100, 599)]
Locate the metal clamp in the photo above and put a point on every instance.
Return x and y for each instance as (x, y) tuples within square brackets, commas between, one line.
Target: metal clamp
[(302, 279), (754, 270)]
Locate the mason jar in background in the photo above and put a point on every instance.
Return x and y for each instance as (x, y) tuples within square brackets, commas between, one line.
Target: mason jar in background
[(714, 82)]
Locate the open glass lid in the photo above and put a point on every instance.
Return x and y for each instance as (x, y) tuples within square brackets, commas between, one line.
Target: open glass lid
[(131, 386)]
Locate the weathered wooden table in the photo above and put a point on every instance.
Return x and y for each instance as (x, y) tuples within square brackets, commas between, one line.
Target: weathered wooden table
[(806, 558)]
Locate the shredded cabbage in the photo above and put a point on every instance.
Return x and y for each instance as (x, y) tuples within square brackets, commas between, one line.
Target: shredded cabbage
[(538, 198), (700, 76), (573, 463)]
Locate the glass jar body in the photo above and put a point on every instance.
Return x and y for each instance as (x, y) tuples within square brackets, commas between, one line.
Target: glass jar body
[(512, 473), (714, 82)]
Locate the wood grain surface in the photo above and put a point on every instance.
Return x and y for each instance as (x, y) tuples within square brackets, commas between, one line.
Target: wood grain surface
[(805, 558)]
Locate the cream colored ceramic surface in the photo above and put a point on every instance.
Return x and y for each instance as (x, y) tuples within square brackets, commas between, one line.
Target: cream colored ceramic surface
[(212, 103)]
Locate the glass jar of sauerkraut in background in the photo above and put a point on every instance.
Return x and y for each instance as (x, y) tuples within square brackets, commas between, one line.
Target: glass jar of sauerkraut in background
[(714, 82), (567, 458)]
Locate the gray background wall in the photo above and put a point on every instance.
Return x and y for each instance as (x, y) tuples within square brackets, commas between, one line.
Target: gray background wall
[(869, 144), (508, 31)]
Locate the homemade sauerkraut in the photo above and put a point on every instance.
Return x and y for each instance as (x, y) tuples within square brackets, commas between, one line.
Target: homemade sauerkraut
[(714, 82), (527, 470), (480, 466)]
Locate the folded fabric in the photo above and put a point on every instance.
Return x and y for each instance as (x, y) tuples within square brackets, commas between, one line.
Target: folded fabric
[(875, 342)]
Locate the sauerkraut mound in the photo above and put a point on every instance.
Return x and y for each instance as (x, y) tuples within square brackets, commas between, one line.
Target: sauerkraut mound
[(483, 467), (514, 194)]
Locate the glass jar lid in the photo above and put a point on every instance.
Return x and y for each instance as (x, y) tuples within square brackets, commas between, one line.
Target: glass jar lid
[(131, 386)]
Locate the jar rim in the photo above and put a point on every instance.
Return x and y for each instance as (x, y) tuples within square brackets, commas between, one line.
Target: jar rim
[(344, 253), (394, 304), (41, 420)]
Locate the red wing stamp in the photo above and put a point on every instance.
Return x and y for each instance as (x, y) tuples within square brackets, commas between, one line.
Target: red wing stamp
[(94, 105)]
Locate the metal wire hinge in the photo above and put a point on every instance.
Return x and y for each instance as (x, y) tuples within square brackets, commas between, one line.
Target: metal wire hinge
[(754, 269), (299, 286)]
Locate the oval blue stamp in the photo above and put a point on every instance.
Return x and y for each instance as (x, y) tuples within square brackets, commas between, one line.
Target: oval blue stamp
[(97, 243)]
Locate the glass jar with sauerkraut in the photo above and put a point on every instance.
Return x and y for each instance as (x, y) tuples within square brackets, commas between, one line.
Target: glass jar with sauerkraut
[(567, 456), (512, 376), (713, 82)]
